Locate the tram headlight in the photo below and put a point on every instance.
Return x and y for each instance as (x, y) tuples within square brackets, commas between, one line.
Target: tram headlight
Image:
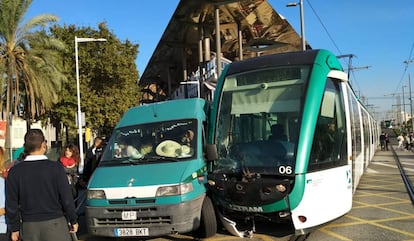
[(175, 189), (96, 194), (281, 188)]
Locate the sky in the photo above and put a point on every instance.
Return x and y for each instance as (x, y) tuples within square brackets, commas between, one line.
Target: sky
[(378, 33)]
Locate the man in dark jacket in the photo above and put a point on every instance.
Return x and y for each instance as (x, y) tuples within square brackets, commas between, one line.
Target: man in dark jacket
[(383, 141), (39, 201), (93, 154)]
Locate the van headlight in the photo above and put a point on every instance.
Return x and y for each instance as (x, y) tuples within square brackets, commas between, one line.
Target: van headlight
[(174, 189), (96, 194)]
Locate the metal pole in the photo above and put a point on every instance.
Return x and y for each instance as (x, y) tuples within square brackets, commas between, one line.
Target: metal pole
[(403, 117), (302, 26), (218, 41), (9, 129), (240, 40), (411, 103), (79, 119)]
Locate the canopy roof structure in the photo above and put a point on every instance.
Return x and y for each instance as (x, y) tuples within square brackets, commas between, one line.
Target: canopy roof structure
[(233, 29)]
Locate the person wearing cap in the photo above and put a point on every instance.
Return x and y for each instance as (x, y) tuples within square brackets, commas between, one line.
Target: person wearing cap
[(39, 200)]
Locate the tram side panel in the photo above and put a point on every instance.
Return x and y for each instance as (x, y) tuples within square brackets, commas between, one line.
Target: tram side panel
[(329, 186), (328, 182), (357, 156)]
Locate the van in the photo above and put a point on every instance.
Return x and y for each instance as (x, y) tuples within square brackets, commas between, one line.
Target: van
[(151, 179)]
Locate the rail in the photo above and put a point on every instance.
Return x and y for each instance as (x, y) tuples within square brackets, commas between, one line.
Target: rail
[(406, 179)]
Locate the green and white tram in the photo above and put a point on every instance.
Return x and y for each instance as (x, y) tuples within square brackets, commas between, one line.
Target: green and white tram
[(307, 170)]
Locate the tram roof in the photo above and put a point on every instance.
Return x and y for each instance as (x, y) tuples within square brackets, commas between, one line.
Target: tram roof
[(264, 32)]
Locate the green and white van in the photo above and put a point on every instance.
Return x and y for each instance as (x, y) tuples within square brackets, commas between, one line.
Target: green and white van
[(151, 178)]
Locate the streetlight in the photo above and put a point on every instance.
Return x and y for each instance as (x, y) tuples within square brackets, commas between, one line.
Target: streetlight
[(302, 21), (79, 119)]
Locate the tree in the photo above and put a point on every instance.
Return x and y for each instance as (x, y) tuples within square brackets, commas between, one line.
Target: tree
[(29, 60), (107, 74)]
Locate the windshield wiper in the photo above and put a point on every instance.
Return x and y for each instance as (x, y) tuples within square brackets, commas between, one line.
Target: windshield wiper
[(160, 158), (151, 159), (129, 160)]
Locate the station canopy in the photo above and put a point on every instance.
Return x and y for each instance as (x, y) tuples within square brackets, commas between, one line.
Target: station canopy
[(247, 28)]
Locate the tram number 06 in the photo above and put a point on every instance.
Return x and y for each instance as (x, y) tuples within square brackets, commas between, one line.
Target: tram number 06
[(285, 170)]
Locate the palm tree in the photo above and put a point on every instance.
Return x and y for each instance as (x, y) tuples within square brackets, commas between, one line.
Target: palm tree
[(30, 61)]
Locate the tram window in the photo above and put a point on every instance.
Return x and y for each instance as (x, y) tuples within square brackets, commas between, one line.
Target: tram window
[(329, 143), (355, 126)]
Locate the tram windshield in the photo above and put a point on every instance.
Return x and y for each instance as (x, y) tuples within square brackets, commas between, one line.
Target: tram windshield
[(258, 121), (152, 142)]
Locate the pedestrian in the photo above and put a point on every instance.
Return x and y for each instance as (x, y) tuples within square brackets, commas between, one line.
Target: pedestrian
[(400, 140), (92, 157), (407, 142), (3, 226), (387, 141), (16, 159), (70, 159), (39, 201), (383, 139)]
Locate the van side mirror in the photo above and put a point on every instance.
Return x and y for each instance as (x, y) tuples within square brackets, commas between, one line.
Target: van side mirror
[(211, 151)]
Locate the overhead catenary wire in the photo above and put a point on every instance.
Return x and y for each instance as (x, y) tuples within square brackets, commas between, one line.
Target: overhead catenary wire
[(324, 27), (405, 69), (336, 46), (334, 43)]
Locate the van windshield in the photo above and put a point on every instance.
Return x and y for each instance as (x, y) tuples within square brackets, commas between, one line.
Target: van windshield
[(160, 141)]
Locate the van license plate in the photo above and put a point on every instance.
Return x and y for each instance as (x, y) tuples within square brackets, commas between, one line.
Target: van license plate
[(129, 215), (129, 232)]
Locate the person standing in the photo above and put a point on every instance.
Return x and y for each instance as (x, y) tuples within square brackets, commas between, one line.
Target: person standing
[(387, 141), (3, 226), (407, 142), (383, 138), (39, 201), (400, 140), (92, 158), (70, 159)]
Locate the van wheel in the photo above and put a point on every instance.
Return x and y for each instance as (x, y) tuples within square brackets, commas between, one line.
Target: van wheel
[(208, 222)]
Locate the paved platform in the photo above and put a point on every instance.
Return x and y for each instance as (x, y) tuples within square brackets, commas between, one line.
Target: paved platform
[(382, 209)]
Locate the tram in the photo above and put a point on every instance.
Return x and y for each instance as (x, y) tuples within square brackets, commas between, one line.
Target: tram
[(288, 142)]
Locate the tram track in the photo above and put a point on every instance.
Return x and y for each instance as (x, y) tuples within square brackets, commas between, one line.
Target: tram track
[(407, 182)]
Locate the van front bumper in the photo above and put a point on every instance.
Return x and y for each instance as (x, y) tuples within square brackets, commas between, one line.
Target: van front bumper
[(159, 219)]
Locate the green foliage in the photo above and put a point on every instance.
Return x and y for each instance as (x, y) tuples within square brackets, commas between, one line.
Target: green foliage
[(29, 61), (108, 78), (37, 71)]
